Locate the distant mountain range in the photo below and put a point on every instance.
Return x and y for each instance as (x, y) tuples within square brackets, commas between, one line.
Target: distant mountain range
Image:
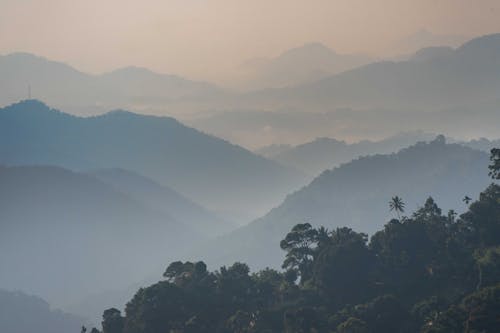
[(21, 313), (424, 39), (225, 178), (307, 63), (310, 77), (441, 89), (63, 86), (315, 93), (356, 195), (469, 74), (326, 153)]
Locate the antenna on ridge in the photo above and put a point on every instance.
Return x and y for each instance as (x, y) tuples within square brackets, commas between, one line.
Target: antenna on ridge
[(29, 91)]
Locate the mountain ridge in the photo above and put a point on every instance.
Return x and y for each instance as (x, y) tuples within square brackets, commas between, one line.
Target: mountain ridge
[(215, 173), (401, 84), (356, 193)]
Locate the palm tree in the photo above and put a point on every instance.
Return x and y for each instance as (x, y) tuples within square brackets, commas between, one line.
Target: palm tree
[(396, 204), (467, 199), (322, 237)]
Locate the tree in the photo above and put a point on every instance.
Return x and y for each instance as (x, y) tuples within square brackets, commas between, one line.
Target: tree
[(235, 286), (112, 321), (187, 274), (495, 163), (482, 221), (298, 244), (396, 204), (343, 268)]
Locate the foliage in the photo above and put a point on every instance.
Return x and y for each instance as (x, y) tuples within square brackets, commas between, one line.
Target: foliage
[(396, 204), (495, 163), (428, 272)]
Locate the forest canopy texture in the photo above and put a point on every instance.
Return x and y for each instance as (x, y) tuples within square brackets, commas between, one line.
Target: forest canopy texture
[(428, 271)]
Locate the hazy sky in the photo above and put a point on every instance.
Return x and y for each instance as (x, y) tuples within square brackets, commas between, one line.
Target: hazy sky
[(204, 38)]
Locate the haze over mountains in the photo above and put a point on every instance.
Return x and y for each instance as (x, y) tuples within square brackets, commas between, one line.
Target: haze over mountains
[(93, 202), (63, 86), (21, 313), (356, 195), (325, 153), (470, 74), (456, 90), (223, 177), (306, 63), (425, 39), (53, 219), (164, 199), (373, 101)]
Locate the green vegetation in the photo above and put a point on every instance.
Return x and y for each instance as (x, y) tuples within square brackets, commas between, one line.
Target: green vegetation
[(427, 272)]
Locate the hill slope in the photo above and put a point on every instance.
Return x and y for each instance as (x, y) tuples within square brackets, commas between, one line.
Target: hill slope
[(222, 177), (469, 74), (62, 85), (164, 199), (325, 153), (307, 63), (356, 194), (66, 233), (20, 313)]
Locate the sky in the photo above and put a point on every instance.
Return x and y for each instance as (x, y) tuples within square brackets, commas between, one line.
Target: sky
[(206, 39)]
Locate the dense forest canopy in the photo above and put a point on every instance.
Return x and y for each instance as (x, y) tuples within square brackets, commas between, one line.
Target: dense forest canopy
[(428, 271)]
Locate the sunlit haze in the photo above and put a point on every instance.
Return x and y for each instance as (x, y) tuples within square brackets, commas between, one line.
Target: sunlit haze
[(208, 39)]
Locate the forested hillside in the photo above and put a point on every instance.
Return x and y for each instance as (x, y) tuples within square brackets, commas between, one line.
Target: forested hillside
[(356, 195), (425, 271)]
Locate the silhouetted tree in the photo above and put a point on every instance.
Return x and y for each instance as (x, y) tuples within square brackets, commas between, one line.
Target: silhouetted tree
[(344, 263), (495, 163), (396, 204), (112, 321), (299, 244)]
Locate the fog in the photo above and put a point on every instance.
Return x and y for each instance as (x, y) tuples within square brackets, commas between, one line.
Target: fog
[(220, 166), (174, 36)]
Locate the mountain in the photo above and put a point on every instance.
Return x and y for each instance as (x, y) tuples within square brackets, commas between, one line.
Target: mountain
[(468, 75), (164, 199), (443, 90), (302, 64), (66, 233), (225, 178), (21, 313), (325, 153), (273, 150), (68, 88), (432, 53), (424, 39), (356, 195), (482, 144)]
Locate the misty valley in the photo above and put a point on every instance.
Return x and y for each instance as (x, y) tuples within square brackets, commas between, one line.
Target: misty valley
[(314, 191)]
